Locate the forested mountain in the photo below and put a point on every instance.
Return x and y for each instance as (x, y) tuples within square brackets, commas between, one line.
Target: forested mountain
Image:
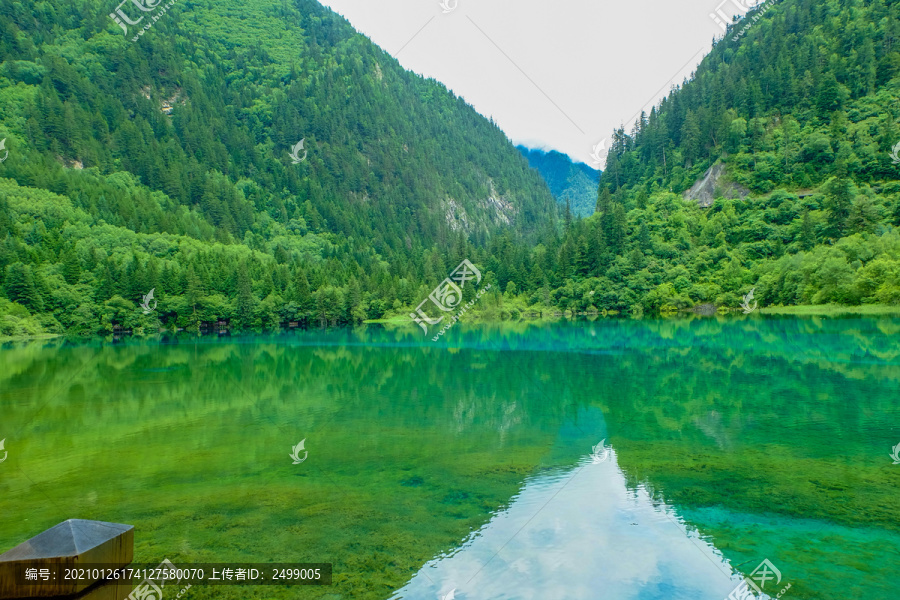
[(165, 163), (799, 105), (160, 158), (569, 181)]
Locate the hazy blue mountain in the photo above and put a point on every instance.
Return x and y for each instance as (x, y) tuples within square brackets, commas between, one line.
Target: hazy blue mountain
[(566, 177)]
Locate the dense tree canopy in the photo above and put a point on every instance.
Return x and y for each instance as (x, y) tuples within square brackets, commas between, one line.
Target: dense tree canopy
[(174, 153), (799, 102), (165, 164)]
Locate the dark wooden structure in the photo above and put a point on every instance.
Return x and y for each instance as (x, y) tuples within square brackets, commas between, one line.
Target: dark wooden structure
[(67, 545)]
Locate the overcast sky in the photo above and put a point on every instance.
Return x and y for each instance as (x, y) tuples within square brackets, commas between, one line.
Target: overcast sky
[(554, 74)]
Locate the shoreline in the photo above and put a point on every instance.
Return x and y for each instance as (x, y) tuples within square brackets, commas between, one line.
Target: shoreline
[(807, 310), (824, 310)]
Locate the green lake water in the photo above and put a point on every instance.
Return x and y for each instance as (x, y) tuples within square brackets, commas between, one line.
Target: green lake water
[(467, 465)]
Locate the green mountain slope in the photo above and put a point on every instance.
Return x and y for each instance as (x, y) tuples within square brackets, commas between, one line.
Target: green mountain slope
[(797, 109), (790, 123), (799, 102), (186, 134), (575, 183)]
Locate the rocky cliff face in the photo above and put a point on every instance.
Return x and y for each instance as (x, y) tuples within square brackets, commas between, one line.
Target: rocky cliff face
[(713, 184)]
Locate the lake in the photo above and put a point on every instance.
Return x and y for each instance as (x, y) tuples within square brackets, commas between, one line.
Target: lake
[(613, 459)]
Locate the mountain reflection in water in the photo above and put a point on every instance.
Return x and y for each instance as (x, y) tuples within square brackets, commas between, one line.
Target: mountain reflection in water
[(579, 533)]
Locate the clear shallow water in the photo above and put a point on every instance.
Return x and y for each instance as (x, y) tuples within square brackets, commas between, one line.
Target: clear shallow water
[(580, 534), (735, 440)]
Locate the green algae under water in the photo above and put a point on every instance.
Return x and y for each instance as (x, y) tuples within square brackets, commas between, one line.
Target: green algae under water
[(763, 437)]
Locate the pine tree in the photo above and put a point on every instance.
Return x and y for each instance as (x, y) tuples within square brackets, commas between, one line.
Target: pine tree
[(690, 137), (352, 301), (862, 216), (604, 200), (71, 266), (642, 200), (838, 201), (618, 229), (597, 251), (134, 285), (807, 233), (19, 286), (566, 259), (582, 257), (828, 96), (193, 289), (245, 299), (302, 294), (644, 243), (109, 281)]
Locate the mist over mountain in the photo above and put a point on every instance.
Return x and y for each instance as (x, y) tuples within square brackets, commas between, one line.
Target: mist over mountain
[(566, 178)]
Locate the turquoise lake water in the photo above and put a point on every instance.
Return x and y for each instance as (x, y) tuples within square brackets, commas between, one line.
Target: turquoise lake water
[(614, 459)]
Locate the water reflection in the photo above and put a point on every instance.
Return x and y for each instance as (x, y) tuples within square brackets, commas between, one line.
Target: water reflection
[(769, 436), (580, 534)]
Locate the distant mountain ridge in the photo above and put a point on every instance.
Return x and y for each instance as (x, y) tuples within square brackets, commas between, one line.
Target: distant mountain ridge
[(566, 178)]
